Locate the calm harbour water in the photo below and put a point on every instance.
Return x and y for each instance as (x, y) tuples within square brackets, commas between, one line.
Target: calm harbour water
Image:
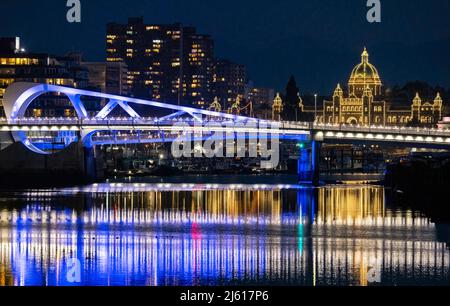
[(222, 233)]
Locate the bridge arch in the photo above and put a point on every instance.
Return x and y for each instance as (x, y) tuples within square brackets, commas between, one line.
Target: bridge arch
[(18, 97)]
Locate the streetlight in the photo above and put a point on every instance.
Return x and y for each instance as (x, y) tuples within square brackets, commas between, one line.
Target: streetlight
[(315, 107)]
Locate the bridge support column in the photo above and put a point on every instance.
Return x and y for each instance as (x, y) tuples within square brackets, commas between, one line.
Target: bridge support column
[(315, 165), (309, 164), (93, 163), (89, 162)]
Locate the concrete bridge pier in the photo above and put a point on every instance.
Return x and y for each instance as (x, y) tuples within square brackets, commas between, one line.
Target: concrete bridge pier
[(309, 164), (93, 163), (74, 164)]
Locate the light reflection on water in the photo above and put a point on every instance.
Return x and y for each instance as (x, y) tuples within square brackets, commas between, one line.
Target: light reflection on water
[(217, 235)]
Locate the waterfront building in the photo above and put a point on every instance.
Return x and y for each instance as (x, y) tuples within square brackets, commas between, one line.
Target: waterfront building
[(363, 103), (277, 107), (170, 63), (260, 96), (17, 65), (107, 77), (229, 82)]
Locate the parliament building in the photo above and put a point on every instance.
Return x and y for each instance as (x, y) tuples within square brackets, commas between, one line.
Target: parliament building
[(364, 104)]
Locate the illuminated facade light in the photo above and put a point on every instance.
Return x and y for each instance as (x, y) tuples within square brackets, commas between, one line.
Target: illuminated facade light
[(364, 104)]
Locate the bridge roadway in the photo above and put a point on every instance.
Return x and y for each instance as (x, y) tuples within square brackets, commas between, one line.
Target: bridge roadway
[(19, 96), (327, 133)]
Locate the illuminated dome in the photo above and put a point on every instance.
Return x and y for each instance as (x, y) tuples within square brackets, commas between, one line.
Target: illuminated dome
[(364, 75)]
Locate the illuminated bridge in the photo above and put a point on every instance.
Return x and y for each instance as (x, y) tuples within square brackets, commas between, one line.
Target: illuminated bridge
[(102, 128), (416, 137), (20, 95)]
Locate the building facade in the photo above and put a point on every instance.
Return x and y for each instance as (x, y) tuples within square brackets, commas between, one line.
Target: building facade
[(364, 103), (16, 65), (107, 77), (261, 99), (259, 95), (168, 63), (229, 81)]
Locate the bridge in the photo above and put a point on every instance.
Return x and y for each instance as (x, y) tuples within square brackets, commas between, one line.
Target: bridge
[(102, 128), (328, 133)]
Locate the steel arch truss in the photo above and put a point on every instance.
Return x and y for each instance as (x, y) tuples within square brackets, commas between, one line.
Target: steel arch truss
[(20, 95)]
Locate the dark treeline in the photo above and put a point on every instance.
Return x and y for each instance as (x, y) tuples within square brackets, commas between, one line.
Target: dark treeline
[(405, 94)]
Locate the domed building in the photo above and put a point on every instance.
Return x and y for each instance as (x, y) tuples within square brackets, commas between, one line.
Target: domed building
[(364, 103), (364, 75)]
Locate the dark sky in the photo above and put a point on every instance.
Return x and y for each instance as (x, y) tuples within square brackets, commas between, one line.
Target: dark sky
[(319, 41)]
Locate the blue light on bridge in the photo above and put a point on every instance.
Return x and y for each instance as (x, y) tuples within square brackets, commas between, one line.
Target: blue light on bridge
[(20, 95)]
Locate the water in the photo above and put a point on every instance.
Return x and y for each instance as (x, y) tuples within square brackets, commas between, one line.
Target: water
[(184, 232)]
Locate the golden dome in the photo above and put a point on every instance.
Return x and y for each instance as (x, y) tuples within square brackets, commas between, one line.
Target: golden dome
[(364, 74)]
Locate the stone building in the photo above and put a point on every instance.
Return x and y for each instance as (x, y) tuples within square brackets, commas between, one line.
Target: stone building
[(364, 103)]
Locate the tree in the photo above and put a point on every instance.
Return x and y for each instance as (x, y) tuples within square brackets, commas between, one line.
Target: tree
[(403, 95), (291, 100)]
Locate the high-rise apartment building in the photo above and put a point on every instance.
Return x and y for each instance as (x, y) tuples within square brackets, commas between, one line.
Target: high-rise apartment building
[(169, 63), (228, 82), (259, 96)]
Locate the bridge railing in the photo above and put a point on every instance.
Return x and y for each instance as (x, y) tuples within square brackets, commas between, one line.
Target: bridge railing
[(105, 121), (398, 130), (287, 125), (403, 130)]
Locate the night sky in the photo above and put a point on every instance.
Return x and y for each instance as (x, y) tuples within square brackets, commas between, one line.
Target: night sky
[(318, 41)]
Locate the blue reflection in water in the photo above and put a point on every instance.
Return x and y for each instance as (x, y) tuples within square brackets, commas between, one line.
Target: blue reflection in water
[(216, 236)]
